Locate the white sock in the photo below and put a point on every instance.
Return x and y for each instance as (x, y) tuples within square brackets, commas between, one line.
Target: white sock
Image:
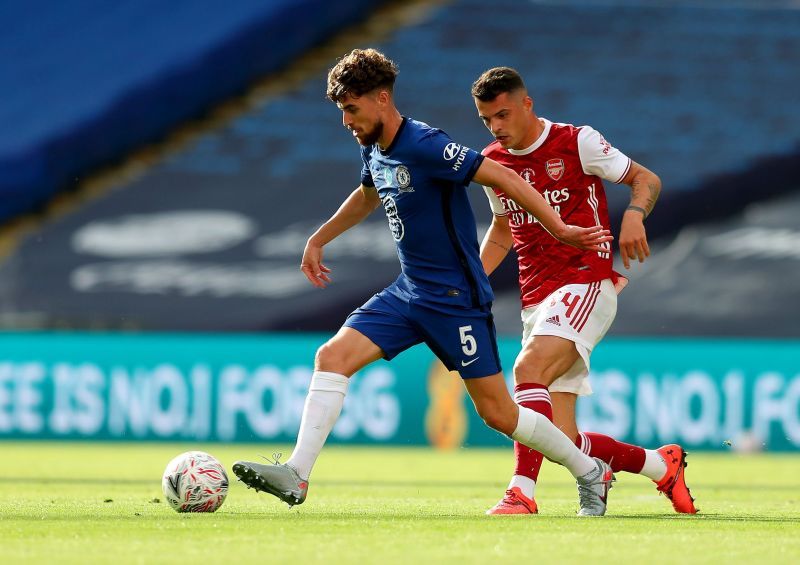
[(322, 408), (526, 484), (654, 466), (539, 433)]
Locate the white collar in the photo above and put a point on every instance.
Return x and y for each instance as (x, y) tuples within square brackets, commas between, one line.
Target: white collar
[(539, 140)]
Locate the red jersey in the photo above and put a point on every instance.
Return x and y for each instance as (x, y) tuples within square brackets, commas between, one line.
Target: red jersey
[(566, 165)]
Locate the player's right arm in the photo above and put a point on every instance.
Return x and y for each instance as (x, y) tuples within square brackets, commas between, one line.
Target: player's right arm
[(496, 244), (498, 240), (360, 204), (450, 161)]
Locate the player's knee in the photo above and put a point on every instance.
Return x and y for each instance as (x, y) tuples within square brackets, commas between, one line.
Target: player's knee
[(528, 371), (329, 357), (497, 420)]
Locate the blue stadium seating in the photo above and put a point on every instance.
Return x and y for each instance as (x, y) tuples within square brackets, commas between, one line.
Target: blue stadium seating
[(704, 93), (693, 91), (86, 81), (690, 90)]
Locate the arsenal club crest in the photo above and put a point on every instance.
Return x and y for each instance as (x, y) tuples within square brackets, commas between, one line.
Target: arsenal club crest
[(554, 168)]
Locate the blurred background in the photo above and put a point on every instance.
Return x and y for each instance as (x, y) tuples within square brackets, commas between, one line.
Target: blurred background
[(162, 164)]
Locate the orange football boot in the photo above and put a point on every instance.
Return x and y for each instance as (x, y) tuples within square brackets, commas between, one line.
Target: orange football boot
[(514, 502), (673, 483)]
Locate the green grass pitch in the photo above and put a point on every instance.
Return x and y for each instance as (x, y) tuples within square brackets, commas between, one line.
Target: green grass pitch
[(102, 503)]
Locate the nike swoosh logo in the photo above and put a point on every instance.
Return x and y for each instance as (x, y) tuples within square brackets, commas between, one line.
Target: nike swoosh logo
[(464, 364)]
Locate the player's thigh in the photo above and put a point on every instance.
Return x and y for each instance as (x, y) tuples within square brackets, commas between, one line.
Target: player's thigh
[(375, 330), (347, 352), (544, 358), (574, 319), (464, 339), (493, 402), (564, 413)]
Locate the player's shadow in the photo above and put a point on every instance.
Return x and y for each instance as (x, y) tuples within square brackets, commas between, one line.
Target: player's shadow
[(77, 481), (701, 516), (298, 514)]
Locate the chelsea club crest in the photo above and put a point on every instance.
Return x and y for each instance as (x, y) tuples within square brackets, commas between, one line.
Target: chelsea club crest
[(403, 177)]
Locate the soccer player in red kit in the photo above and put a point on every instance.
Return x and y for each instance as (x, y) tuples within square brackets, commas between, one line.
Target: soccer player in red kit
[(569, 296)]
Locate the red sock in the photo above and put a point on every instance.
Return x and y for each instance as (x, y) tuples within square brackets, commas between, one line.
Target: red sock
[(621, 456), (537, 398)]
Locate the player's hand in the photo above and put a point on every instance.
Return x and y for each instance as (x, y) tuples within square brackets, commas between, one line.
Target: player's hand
[(591, 239), (633, 238), (312, 266)]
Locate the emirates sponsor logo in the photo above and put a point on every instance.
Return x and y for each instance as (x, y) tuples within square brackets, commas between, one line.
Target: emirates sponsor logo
[(555, 168)]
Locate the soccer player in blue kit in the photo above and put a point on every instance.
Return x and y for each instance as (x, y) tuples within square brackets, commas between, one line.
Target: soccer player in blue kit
[(442, 296)]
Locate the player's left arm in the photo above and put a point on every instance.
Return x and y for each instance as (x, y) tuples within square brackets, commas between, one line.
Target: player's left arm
[(645, 188), (598, 157), (492, 173)]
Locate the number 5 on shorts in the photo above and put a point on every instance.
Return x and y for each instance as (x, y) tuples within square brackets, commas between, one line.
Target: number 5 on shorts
[(468, 344)]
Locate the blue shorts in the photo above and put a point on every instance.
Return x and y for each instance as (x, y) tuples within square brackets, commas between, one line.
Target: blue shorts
[(463, 339)]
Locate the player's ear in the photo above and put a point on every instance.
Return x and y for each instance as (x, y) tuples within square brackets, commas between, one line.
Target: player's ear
[(528, 103), (384, 97)]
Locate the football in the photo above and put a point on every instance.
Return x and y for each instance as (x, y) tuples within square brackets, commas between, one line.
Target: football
[(195, 481)]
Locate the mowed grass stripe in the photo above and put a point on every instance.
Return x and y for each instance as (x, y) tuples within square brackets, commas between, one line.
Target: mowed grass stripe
[(383, 505)]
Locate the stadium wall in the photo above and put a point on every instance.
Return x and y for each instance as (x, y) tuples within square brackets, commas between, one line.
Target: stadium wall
[(86, 82), (733, 394)]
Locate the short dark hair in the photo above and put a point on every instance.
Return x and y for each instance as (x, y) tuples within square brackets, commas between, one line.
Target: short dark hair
[(359, 72), (495, 82)]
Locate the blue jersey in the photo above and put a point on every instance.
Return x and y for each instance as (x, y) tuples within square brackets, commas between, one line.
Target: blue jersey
[(421, 179)]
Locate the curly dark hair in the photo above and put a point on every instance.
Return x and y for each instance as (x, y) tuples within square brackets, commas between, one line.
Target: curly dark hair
[(359, 72), (495, 82)]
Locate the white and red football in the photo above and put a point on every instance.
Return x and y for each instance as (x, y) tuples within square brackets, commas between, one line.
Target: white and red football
[(195, 482)]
